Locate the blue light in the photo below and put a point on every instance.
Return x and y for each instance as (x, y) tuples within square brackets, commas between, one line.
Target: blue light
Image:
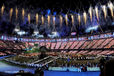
[(74, 12), (63, 14), (48, 11), (112, 23), (92, 28), (42, 12), (21, 32), (54, 18), (54, 34), (2, 37), (54, 13)]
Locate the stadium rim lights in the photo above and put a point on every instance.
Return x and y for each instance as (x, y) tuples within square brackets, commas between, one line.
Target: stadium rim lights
[(36, 32), (92, 28), (21, 33)]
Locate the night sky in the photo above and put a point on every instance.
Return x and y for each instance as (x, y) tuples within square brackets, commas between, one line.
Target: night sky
[(55, 5), (60, 7)]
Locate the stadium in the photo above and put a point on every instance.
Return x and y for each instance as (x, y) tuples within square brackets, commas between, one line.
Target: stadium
[(51, 38)]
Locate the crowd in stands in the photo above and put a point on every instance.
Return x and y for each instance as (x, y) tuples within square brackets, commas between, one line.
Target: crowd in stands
[(67, 62), (38, 72), (2, 54), (6, 53), (23, 59), (106, 70), (62, 44), (65, 59)]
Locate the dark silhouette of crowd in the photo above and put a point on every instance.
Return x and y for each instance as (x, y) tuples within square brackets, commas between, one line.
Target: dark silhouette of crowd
[(38, 72), (107, 68)]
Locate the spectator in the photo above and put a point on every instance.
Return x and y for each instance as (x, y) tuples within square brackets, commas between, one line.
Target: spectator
[(108, 68), (39, 72), (22, 73)]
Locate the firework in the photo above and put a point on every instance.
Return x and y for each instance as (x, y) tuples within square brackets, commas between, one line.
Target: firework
[(96, 12), (53, 20), (72, 19), (16, 10), (111, 7), (2, 10), (66, 19), (23, 14), (79, 19), (11, 12), (29, 18), (42, 18), (61, 20), (90, 12), (104, 11), (37, 18), (48, 18), (85, 17)]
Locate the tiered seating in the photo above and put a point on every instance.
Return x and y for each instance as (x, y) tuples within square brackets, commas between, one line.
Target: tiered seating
[(97, 52), (48, 44), (98, 43), (53, 45), (9, 44), (28, 44), (94, 52), (105, 43), (90, 53), (109, 45), (104, 52), (42, 44), (2, 54), (92, 43), (72, 52), (12, 45), (19, 45), (58, 44), (9, 52), (2, 44), (110, 52), (16, 46), (84, 52), (73, 45), (37, 43), (68, 45), (63, 45), (85, 44), (63, 51), (79, 44), (23, 47), (81, 52)]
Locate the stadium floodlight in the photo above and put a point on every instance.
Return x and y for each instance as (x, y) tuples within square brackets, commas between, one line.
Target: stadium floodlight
[(40, 36), (21, 33), (36, 32), (17, 29), (54, 34), (92, 28)]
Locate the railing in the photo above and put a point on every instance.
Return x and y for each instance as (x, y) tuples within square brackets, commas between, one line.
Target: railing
[(41, 60), (50, 61)]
